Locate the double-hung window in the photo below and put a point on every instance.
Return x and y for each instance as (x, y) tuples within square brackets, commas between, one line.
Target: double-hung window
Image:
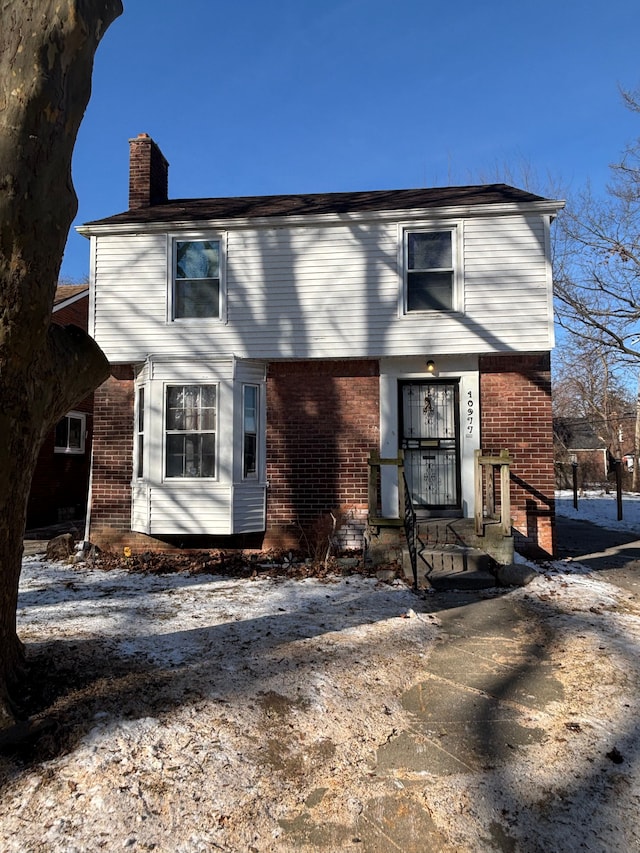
[(250, 432), (190, 434), (430, 270), (196, 279), (70, 433), (140, 434)]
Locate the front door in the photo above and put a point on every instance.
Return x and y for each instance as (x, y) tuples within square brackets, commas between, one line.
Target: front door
[(430, 438)]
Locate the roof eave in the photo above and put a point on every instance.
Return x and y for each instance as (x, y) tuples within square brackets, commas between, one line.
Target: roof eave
[(70, 300), (543, 207)]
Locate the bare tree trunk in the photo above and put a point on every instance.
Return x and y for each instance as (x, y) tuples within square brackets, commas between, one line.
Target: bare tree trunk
[(46, 59)]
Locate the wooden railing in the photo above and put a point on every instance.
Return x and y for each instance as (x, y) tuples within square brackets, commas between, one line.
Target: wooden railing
[(486, 468)]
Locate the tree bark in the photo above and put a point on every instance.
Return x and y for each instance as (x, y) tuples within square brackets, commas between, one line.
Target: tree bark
[(47, 49)]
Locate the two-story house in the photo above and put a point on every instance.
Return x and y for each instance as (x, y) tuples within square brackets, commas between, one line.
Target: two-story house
[(263, 347)]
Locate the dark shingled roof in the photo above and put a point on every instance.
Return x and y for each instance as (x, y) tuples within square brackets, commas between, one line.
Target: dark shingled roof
[(66, 291), (577, 434), (251, 207)]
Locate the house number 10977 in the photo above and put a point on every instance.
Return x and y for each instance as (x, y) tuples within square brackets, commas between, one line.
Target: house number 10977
[(470, 413)]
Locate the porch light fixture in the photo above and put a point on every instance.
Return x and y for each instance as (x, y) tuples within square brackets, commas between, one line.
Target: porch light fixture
[(431, 367)]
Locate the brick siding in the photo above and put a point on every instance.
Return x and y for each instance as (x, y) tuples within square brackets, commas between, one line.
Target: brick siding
[(148, 173), (112, 457), (323, 422), (76, 314), (515, 395)]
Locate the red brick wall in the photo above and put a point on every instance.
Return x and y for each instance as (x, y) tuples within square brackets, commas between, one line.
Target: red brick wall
[(322, 424), (112, 456), (515, 397), (76, 314), (148, 173)]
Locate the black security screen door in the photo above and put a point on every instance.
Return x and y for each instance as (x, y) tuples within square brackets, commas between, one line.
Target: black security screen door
[(431, 440)]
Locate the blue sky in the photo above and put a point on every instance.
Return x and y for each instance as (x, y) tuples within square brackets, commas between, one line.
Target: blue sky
[(292, 96)]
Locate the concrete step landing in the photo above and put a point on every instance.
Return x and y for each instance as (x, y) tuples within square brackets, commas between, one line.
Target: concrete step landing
[(452, 567)]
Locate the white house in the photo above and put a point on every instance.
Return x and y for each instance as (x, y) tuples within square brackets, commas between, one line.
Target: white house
[(262, 347)]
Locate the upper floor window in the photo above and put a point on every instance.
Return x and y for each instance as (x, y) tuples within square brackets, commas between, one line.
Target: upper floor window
[(70, 433), (190, 431), (430, 270), (196, 279)]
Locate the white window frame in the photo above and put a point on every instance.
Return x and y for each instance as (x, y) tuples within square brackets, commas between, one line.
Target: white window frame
[(255, 474), (77, 451), (200, 237), (164, 433), (140, 432), (453, 228)]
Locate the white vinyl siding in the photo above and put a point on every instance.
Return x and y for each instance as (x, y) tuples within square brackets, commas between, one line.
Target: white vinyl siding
[(249, 507), (194, 510), (329, 292)]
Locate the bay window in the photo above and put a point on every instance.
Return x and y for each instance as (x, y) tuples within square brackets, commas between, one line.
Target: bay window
[(199, 447), (190, 447), (140, 434), (250, 431)]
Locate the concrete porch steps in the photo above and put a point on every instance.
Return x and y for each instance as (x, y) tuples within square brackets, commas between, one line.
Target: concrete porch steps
[(455, 567), (446, 558)]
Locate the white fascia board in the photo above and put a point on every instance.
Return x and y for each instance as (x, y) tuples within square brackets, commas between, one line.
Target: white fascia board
[(70, 300), (545, 206)]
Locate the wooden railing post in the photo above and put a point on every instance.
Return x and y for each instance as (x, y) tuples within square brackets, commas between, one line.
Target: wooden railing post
[(477, 501), (484, 472), (375, 475), (505, 493)]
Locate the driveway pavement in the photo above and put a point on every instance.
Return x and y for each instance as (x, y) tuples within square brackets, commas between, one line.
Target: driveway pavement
[(613, 555)]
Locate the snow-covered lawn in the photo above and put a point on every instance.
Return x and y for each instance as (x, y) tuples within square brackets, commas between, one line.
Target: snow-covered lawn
[(204, 713), (602, 509)]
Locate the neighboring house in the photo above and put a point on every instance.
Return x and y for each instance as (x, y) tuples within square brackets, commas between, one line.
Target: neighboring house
[(61, 480), (263, 347), (577, 441)]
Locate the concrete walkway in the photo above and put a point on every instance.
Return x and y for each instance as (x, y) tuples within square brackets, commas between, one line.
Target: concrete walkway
[(510, 745)]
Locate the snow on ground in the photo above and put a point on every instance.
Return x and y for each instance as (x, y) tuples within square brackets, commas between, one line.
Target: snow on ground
[(198, 713), (601, 508)]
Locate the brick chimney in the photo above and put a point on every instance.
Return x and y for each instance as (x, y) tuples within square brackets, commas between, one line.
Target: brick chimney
[(148, 173)]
